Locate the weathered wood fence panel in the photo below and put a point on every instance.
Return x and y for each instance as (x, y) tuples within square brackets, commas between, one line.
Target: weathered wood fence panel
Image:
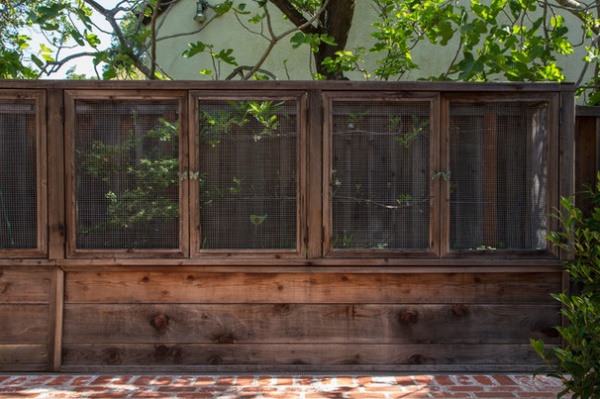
[(305, 225), (310, 319), (587, 149), (26, 328)]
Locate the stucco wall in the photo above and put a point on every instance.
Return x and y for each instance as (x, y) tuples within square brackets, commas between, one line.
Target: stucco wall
[(227, 32)]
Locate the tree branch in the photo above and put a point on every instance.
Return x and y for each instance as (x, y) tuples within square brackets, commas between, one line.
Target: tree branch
[(274, 39), (295, 16), (337, 20)]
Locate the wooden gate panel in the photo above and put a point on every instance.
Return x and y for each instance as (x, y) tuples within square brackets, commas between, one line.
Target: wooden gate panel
[(25, 326)]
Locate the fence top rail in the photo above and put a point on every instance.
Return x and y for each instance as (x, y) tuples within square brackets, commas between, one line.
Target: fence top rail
[(287, 85)]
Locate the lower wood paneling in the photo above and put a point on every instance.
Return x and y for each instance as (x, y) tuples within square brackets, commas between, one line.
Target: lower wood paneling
[(23, 357), (24, 324), (308, 323), (215, 319), (298, 354), (25, 285), (211, 287)]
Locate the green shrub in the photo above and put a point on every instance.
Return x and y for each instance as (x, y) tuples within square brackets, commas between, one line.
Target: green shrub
[(577, 363)]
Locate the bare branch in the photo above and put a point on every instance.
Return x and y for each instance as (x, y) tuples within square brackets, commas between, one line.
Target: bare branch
[(240, 71), (295, 16), (276, 38)]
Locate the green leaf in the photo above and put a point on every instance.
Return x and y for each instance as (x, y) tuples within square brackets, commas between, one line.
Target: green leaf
[(298, 39), (327, 39), (193, 49), (225, 56), (39, 63), (223, 8)]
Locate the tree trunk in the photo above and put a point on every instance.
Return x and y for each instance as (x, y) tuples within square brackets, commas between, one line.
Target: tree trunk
[(335, 21)]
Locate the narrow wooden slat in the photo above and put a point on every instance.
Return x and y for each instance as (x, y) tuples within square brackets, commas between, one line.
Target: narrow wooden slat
[(277, 85), (184, 187), (586, 147), (166, 287), (308, 354), (56, 321), (56, 176), (298, 323), (42, 173)]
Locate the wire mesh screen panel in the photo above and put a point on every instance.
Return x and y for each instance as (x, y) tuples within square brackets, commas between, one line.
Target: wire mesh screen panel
[(498, 163), (126, 166), (18, 174), (247, 177), (381, 177)]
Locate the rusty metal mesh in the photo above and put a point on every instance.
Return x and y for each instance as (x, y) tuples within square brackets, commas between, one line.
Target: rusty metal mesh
[(18, 174), (126, 174), (498, 165), (381, 174), (247, 174)]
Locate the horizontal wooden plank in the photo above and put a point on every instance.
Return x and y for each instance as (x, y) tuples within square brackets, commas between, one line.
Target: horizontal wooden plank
[(284, 85), (300, 354), (444, 288), (27, 285), (23, 357), (476, 264), (298, 323), (24, 324)]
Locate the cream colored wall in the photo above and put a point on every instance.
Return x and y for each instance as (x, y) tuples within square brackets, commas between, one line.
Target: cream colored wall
[(226, 32)]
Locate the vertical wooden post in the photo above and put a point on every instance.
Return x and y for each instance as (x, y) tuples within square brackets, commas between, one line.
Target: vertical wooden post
[(300, 150), (56, 221), (438, 139), (319, 170), (56, 320), (585, 157), (440, 161)]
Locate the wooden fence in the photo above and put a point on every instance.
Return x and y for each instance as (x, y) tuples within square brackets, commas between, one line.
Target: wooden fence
[(587, 149), (347, 226)]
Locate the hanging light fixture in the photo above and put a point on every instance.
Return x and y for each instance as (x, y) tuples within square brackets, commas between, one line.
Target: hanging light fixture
[(200, 7)]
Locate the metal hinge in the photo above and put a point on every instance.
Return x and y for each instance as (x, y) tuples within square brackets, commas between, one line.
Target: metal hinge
[(187, 175), (445, 176)]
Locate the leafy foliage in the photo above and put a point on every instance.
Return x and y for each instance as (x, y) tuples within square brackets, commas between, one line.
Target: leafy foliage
[(150, 178), (577, 365), (515, 40)]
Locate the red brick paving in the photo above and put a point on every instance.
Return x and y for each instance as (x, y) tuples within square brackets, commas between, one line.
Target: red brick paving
[(301, 386)]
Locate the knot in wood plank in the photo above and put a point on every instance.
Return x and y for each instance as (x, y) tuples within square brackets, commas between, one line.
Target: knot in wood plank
[(160, 322), (408, 317)]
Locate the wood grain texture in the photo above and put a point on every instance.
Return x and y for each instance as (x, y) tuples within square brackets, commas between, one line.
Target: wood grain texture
[(299, 354), (24, 324), (28, 357), (190, 287), (56, 177), (503, 87), (25, 285), (298, 323)]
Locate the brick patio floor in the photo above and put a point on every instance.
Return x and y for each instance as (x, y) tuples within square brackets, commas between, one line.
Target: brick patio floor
[(278, 386)]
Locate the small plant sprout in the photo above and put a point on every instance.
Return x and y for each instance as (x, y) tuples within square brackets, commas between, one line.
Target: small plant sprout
[(257, 220), (237, 186), (405, 139), (264, 112), (404, 200), (355, 117)]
